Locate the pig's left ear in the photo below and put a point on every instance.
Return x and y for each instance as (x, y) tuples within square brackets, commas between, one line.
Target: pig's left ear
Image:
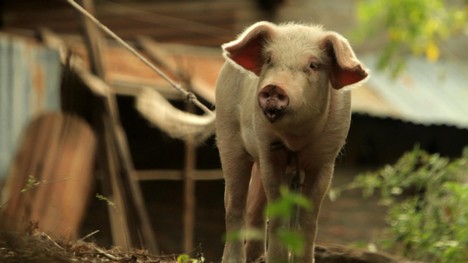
[(346, 69), (247, 50)]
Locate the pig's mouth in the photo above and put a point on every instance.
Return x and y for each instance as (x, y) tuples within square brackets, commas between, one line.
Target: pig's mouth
[(274, 113)]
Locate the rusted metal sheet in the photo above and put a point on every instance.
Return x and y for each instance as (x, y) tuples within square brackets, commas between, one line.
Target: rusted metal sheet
[(425, 93), (29, 84)]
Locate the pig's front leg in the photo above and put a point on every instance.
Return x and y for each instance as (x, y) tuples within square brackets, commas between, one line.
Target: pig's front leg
[(236, 168), (272, 169), (316, 183)]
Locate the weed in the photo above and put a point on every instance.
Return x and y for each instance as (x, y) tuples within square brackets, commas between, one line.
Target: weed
[(427, 196), (284, 209)]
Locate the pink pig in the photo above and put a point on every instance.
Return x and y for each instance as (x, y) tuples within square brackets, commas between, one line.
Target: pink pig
[(283, 91)]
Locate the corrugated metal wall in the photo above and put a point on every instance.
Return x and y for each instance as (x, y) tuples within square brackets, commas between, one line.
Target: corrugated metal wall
[(424, 93), (29, 84)]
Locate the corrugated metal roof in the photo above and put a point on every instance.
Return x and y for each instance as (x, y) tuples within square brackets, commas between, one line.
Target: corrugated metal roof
[(29, 83), (425, 93)]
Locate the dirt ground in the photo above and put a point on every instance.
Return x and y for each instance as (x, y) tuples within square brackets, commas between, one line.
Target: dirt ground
[(39, 247)]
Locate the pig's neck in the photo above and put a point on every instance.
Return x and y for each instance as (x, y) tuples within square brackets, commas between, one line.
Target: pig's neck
[(296, 140), (297, 133), (296, 137)]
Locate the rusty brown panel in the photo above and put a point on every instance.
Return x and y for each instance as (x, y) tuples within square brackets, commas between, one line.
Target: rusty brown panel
[(38, 85), (51, 176)]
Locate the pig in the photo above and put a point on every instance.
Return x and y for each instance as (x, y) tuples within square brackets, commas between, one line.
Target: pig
[(283, 91), (282, 94)]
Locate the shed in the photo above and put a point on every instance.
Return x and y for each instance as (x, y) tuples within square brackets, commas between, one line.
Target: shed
[(383, 116)]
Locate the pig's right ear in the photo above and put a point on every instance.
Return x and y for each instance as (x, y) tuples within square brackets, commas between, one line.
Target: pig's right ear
[(247, 50)]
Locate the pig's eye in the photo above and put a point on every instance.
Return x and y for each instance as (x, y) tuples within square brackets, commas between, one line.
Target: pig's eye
[(314, 66)]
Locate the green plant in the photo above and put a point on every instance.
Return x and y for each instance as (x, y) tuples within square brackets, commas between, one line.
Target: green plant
[(416, 26), (283, 209), (184, 258), (427, 196), (105, 199), (31, 183)]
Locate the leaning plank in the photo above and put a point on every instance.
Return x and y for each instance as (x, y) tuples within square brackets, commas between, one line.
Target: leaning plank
[(51, 176), (89, 96)]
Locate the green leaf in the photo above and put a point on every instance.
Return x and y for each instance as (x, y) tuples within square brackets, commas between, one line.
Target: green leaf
[(183, 258), (427, 196), (293, 240), (284, 207), (245, 234), (410, 26)]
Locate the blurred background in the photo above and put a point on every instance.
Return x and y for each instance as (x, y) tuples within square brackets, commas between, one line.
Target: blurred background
[(76, 156)]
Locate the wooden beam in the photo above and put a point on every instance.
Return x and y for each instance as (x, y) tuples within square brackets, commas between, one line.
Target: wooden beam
[(177, 175), (94, 41), (129, 88), (112, 189)]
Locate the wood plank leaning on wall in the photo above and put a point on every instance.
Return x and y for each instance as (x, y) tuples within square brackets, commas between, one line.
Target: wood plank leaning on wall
[(51, 176)]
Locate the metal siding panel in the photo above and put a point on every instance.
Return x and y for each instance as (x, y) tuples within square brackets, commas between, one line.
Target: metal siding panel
[(457, 89), (20, 104), (5, 69), (426, 93), (50, 59), (22, 93)]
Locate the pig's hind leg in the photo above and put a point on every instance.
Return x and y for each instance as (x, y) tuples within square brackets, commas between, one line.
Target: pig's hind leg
[(256, 202)]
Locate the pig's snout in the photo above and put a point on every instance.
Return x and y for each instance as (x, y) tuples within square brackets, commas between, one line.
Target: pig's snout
[(273, 101)]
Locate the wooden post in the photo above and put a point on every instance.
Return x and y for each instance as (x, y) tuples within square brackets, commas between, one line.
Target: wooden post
[(94, 41), (189, 190), (164, 59)]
